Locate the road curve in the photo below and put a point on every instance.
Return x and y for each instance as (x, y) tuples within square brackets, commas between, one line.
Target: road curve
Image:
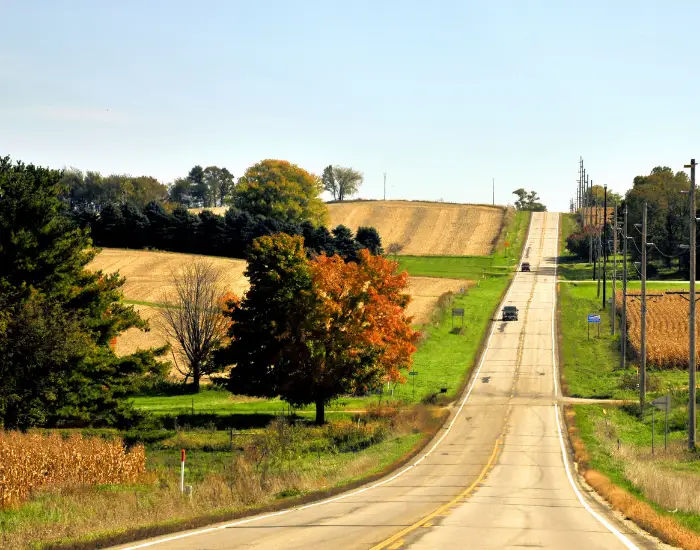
[(497, 476)]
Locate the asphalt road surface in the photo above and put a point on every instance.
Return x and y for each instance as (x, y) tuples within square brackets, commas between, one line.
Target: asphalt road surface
[(497, 476)]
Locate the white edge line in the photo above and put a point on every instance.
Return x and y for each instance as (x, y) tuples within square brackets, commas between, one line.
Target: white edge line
[(628, 543), (367, 488)]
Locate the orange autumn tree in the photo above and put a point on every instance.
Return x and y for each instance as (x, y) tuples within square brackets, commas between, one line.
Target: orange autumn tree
[(363, 305), (311, 330)]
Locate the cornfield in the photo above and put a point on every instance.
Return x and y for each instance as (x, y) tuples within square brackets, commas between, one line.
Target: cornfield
[(32, 461), (667, 328)]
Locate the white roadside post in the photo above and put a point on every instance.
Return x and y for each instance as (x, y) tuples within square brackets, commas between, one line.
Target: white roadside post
[(182, 470)]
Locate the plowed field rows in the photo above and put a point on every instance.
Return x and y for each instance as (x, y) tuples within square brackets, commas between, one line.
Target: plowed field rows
[(667, 328)]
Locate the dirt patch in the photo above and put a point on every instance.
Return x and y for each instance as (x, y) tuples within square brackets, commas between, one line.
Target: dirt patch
[(425, 292), (425, 228)]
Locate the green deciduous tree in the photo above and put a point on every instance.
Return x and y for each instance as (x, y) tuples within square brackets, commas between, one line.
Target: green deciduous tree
[(220, 185), (283, 191), (528, 200), (329, 183), (347, 181), (340, 181), (668, 209)]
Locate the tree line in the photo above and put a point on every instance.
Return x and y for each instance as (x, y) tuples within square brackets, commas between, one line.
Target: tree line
[(202, 187), (325, 313), (273, 196), (126, 226), (666, 194)]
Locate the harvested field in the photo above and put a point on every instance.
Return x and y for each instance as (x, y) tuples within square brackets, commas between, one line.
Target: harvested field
[(425, 292), (667, 328), (148, 273), (425, 228), (148, 276)]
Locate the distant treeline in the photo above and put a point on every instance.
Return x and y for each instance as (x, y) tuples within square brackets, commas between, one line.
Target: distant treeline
[(127, 226)]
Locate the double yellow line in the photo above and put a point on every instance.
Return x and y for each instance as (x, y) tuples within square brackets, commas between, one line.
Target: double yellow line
[(398, 537), (396, 541)]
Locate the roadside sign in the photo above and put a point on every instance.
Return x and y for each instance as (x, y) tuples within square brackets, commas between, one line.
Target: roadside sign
[(413, 373), (457, 312), (593, 318), (662, 403)]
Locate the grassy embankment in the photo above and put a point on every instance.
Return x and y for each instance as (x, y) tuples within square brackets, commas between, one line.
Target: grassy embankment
[(226, 436), (612, 443)]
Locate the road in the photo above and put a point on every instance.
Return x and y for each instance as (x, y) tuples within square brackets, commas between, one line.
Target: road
[(497, 475)]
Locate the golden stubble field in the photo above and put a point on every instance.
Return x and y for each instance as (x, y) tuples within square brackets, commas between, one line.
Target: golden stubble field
[(425, 228), (421, 228), (147, 276)]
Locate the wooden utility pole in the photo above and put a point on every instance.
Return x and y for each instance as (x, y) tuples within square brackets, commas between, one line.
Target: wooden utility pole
[(623, 328), (590, 222), (384, 185), (643, 351), (691, 319), (613, 305), (605, 244)]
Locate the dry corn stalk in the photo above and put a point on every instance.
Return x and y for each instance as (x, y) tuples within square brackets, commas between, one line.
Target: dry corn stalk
[(667, 328), (30, 461)]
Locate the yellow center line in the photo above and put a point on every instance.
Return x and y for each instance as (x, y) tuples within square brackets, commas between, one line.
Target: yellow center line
[(439, 511), (397, 540)]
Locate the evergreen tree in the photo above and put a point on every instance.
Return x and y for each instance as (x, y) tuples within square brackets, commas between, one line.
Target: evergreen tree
[(58, 319)]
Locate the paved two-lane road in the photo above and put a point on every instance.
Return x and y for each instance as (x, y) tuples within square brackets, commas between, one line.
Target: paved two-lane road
[(497, 475)]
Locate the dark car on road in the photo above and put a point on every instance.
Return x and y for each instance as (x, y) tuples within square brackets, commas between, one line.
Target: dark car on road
[(525, 266), (510, 313)]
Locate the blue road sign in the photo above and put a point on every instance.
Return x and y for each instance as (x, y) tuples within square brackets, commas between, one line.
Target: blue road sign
[(593, 318)]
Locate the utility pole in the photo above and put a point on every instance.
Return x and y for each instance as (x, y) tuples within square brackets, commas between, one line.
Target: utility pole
[(605, 243), (691, 320), (590, 223), (493, 191), (613, 305), (643, 363), (384, 185), (624, 292)]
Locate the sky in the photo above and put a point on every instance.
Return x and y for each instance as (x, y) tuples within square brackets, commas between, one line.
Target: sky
[(443, 97)]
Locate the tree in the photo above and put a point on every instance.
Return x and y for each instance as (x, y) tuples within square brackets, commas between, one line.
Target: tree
[(528, 201), (668, 209), (347, 181), (329, 183), (282, 191), (181, 192), (193, 318), (200, 192), (394, 249), (58, 319), (368, 237), (92, 192), (219, 183), (344, 243), (310, 330)]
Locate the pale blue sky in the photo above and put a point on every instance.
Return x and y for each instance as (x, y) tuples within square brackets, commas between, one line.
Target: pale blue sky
[(442, 96)]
